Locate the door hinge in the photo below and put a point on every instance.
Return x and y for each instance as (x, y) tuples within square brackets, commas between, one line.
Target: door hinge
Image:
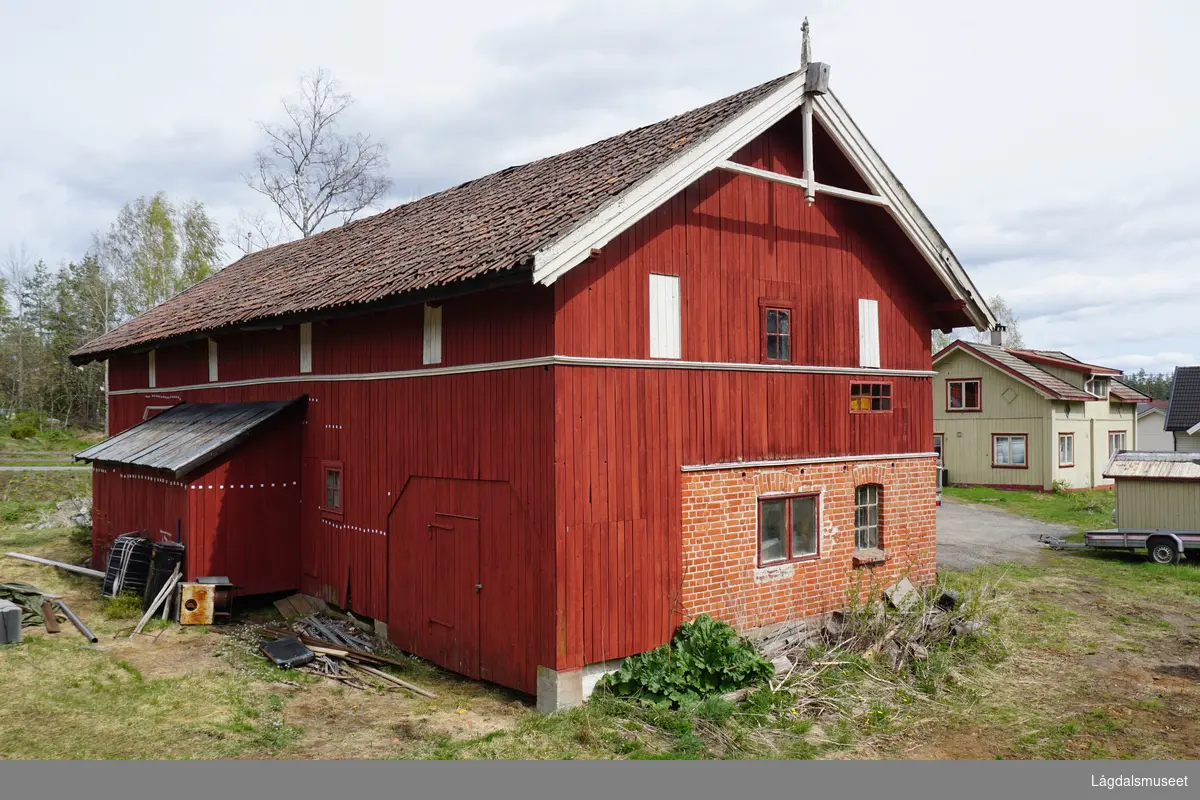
[(478, 588)]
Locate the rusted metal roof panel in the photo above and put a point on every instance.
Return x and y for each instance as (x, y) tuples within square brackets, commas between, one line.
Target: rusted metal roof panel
[(483, 227), (184, 438), (1151, 466)]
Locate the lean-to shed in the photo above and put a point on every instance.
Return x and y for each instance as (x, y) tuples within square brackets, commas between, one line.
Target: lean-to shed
[(222, 478), (1157, 491)]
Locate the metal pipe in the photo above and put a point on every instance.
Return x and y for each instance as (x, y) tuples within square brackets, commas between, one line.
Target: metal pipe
[(91, 573), (78, 623)]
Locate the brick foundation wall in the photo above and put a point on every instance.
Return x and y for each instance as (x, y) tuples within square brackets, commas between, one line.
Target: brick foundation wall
[(721, 576)]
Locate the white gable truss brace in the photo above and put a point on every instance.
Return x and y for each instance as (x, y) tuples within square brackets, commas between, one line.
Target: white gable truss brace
[(573, 248)]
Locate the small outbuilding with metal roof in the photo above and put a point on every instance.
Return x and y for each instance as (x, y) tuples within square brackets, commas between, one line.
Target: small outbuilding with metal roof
[(1157, 491), (222, 478)]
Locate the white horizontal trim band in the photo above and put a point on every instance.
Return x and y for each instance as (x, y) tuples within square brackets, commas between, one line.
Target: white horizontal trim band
[(540, 361), (791, 462)]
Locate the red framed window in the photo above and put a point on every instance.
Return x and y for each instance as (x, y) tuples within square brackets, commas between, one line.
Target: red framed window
[(333, 498), (789, 528), (1010, 451), (964, 394), (868, 397), (778, 317)]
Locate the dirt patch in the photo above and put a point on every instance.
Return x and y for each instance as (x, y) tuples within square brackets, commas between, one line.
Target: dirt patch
[(1188, 671), (173, 654), (349, 723)]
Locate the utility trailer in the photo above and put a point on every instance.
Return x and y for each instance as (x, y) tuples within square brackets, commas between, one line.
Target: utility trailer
[(1162, 546), (1157, 508)]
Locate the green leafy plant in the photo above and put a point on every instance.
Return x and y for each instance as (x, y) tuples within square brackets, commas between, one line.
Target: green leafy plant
[(22, 432), (704, 658), (126, 605)]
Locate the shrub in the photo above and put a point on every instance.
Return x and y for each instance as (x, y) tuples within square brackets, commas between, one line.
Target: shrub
[(704, 658), (22, 431), (126, 605)]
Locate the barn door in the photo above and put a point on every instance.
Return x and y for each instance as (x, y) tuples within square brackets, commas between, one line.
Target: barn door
[(452, 590)]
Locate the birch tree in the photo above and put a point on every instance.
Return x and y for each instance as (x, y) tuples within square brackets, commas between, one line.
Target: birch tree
[(309, 169)]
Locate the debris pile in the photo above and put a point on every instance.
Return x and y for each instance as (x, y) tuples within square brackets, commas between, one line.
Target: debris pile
[(77, 511)]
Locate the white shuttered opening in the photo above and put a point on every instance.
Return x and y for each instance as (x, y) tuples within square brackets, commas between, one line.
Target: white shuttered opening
[(664, 316), (868, 333)]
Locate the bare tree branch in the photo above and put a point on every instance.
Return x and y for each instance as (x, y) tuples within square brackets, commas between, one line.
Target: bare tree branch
[(309, 170)]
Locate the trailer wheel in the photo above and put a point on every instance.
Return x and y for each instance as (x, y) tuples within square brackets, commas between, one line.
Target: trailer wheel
[(1161, 551)]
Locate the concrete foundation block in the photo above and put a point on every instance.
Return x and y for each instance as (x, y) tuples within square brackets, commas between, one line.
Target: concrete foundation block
[(381, 630), (558, 690)]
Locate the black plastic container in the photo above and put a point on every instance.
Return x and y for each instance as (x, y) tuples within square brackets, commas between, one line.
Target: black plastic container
[(128, 565), (162, 563)]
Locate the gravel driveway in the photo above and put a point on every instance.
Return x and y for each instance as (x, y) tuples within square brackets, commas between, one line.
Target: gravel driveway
[(970, 534)]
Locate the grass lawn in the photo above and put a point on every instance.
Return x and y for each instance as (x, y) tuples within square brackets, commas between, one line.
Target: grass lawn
[(1087, 656), (1083, 510)]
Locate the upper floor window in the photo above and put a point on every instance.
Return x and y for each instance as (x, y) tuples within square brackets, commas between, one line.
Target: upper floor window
[(212, 360), (964, 394), (153, 376), (866, 516), (664, 317), (306, 347), (787, 529), (870, 397), (1010, 450), (777, 319), (1096, 386)]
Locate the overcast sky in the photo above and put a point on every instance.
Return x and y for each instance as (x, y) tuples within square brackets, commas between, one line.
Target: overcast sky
[(1052, 143)]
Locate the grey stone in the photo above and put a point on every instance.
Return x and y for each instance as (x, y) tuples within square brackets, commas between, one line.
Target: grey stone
[(558, 690), (902, 595)]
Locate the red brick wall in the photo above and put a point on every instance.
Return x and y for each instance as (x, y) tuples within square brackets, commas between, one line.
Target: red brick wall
[(721, 576)]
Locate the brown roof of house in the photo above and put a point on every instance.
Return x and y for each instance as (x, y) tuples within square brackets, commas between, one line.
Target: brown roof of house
[(1126, 394), (1009, 361), (482, 227)]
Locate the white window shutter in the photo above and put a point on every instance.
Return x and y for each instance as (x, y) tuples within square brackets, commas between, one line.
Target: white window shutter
[(664, 317), (212, 359), (153, 370), (431, 351), (868, 333), (306, 347)]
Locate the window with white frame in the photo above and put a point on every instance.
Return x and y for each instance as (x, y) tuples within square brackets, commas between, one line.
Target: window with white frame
[(964, 395), (939, 447), (1116, 442), (787, 528), (1066, 449), (866, 516), (665, 335), (431, 338), (1096, 386), (1009, 450)]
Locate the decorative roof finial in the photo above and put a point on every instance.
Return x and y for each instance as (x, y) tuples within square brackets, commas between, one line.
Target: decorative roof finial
[(805, 47)]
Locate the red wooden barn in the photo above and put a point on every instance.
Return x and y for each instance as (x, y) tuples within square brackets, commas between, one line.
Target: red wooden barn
[(551, 412)]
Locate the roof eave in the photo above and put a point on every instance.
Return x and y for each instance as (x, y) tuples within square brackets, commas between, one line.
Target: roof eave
[(959, 344)]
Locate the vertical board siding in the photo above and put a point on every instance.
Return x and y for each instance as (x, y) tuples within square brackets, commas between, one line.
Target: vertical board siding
[(130, 500)]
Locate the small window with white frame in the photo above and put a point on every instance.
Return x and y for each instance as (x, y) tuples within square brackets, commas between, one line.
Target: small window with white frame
[(431, 337), (1116, 442), (1066, 449), (1009, 450), (665, 318), (866, 516), (1096, 386)]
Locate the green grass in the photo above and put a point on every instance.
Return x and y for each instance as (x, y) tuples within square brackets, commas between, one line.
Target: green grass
[(1085, 510), (43, 486), (64, 440)]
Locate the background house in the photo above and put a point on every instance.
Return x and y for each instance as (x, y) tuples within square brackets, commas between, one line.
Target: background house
[(551, 412), (1183, 410), (1152, 435), (1027, 418)]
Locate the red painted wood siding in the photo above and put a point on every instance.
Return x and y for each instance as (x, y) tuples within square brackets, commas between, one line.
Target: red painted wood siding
[(244, 512), (128, 500), (734, 239)]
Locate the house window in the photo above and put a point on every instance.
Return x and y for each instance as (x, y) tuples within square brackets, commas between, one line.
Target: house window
[(870, 397), (1095, 386), (1116, 442), (964, 395), (664, 317), (332, 499), (868, 333), (866, 516), (788, 529), (939, 447), (1008, 450), (305, 347), (776, 327), (1066, 449), (431, 337)]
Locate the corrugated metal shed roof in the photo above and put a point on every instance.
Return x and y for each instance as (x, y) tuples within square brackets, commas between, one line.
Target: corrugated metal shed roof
[(1158, 466), (185, 437), (1184, 409)]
